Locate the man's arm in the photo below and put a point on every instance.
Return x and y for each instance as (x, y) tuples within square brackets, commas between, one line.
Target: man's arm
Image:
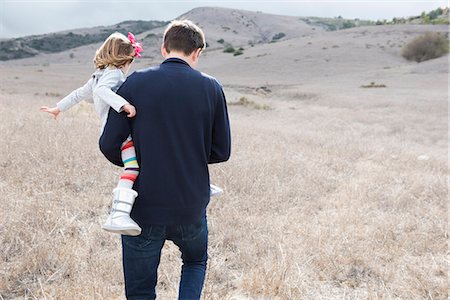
[(221, 136), (116, 130)]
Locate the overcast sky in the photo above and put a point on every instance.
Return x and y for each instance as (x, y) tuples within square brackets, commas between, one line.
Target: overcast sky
[(26, 17)]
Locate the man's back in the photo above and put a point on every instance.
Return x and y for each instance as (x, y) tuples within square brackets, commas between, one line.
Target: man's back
[(181, 125)]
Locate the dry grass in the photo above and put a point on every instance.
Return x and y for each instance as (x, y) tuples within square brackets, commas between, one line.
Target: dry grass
[(373, 85), (245, 102), (321, 202)]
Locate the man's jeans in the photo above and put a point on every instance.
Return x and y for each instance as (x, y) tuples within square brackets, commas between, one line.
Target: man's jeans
[(141, 255)]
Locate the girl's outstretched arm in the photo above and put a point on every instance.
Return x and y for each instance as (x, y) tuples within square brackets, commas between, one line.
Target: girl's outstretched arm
[(76, 96), (70, 100)]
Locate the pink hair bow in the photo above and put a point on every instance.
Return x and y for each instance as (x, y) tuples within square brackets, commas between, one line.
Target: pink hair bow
[(137, 46)]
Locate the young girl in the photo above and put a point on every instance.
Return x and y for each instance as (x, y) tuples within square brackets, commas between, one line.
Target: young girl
[(113, 60)]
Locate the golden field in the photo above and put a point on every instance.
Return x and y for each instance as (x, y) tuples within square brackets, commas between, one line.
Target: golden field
[(333, 191)]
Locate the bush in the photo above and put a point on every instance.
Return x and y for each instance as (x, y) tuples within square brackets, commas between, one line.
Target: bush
[(278, 36), (443, 21), (427, 46), (373, 85), (229, 49), (239, 52), (435, 13), (221, 41), (331, 27), (348, 24)]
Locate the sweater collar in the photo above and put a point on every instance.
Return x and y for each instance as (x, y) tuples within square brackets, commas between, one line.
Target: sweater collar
[(176, 60)]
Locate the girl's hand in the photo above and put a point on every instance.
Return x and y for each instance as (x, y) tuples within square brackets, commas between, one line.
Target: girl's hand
[(130, 109), (51, 110)]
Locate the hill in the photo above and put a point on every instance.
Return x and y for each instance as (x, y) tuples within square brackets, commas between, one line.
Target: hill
[(434, 17), (233, 31), (241, 28), (226, 28), (56, 42)]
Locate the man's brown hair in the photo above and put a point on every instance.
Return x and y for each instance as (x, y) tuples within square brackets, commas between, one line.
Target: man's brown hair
[(183, 36)]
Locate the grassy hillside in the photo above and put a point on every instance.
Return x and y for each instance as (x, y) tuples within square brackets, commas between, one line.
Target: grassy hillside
[(435, 17), (227, 28), (57, 42), (337, 23)]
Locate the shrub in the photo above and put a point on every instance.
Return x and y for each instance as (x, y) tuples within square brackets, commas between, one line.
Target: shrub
[(427, 46), (435, 13), (443, 21), (221, 41), (238, 52), (278, 36), (331, 27), (348, 24), (373, 85), (229, 49), (52, 94)]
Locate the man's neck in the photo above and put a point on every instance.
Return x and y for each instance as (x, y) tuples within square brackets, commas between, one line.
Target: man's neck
[(180, 56)]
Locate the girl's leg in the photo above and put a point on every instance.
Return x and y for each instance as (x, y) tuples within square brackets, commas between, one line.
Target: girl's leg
[(131, 167), (214, 190), (119, 220)]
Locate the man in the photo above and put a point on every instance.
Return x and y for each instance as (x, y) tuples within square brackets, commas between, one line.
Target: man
[(181, 126)]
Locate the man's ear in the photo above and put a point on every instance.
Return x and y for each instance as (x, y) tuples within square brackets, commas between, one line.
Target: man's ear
[(164, 51), (196, 54)]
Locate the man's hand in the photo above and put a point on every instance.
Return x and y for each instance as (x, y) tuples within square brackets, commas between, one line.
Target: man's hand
[(51, 110), (130, 109)]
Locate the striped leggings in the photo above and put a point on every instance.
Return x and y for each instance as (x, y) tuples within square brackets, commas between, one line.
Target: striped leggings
[(131, 167)]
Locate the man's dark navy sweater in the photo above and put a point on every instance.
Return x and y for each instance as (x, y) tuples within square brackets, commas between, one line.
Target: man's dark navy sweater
[(180, 127)]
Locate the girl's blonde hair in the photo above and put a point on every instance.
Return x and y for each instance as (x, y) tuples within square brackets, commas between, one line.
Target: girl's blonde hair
[(116, 51)]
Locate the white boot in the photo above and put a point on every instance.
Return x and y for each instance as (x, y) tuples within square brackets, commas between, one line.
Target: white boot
[(214, 190), (119, 220)]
